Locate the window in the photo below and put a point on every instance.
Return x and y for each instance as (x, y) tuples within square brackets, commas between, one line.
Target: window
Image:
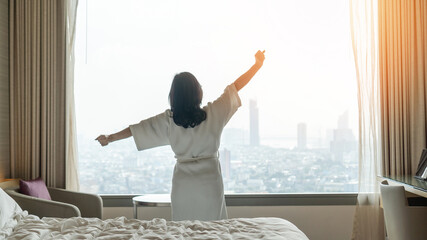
[(297, 128)]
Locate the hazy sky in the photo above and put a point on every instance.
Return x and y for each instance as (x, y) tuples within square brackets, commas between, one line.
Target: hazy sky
[(127, 53)]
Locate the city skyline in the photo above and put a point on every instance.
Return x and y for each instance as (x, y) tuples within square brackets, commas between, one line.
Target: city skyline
[(245, 168)]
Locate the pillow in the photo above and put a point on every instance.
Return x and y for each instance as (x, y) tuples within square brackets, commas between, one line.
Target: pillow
[(35, 188), (8, 207)]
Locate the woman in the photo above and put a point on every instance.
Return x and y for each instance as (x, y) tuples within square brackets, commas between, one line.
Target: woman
[(194, 135)]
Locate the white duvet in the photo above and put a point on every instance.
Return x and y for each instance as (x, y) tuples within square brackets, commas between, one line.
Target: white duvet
[(28, 227)]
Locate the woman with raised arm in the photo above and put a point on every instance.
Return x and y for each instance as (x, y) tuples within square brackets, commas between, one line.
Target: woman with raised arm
[(194, 135)]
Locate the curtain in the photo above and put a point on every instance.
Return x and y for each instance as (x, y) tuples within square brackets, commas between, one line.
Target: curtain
[(4, 91), (403, 79), (368, 219), (71, 157), (37, 90)]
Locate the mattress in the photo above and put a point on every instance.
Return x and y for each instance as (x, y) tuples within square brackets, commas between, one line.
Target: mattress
[(26, 226)]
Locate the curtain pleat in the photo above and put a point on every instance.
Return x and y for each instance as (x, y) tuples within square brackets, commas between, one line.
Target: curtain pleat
[(37, 90), (402, 49), (368, 219), (71, 156), (4, 92)]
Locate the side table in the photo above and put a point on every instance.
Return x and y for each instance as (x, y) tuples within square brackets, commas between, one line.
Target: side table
[(150, 200)]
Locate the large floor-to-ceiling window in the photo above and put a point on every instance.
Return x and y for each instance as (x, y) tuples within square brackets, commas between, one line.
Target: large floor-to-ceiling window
[(296, 131)]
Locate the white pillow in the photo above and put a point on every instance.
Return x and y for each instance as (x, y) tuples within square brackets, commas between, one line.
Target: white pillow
[(8, 207)]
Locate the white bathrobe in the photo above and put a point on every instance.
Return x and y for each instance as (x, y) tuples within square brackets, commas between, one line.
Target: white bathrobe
[(197, 187)]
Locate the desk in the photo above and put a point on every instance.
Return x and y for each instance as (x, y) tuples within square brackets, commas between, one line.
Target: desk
[(150, 200), (411, 184)]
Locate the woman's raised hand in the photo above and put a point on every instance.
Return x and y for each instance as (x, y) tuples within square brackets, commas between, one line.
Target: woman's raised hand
[(103, 140), (259, 57)]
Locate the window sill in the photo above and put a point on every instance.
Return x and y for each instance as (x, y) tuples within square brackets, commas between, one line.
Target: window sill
[(290, 199)]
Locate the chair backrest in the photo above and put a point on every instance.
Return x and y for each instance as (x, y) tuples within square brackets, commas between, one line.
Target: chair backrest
[(402, 222), (43, 207), (9, 184), (395, 215)]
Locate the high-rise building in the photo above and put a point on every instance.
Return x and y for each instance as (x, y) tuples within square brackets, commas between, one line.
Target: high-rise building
[(302, 136), (225, 160), (253, 123), (344, 140), (343, 121)]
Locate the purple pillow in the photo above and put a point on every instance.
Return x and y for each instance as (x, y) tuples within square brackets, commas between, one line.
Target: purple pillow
[(36, 188)]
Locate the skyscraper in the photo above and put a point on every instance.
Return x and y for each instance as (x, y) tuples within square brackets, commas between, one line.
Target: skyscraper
[(344, 140), (302, 136), (253, 123), (343, 121), (225, 160)]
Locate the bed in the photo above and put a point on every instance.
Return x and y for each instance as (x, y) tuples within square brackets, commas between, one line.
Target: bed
[(18, 224), (31, 227)]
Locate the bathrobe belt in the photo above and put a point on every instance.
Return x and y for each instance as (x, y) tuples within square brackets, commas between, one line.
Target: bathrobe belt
[(193, 159)]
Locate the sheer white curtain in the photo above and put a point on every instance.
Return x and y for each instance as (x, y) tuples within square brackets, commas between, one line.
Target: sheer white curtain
[(71, 156), (368, 219)]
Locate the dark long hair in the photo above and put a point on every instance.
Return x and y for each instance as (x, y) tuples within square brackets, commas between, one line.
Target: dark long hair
[(185, 98)]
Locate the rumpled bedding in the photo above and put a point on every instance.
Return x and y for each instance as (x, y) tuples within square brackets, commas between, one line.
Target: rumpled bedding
[(26, 226)]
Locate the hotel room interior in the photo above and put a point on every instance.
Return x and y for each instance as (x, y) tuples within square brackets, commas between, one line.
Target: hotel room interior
[(56, 59)]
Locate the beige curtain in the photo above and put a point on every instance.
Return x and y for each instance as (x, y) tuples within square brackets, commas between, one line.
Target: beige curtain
[(72, 182), (37, 90), (4, 91), (368, 219), (403, 77)]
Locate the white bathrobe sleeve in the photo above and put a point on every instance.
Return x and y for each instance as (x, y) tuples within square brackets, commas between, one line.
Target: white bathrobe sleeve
[(152, 132), (226, 105)]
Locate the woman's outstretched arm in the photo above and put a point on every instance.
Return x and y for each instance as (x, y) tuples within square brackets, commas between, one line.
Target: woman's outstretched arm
[(247, 76), (104, 140)]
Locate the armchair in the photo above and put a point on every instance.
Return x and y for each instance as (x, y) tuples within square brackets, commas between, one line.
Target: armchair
[(64, 203)]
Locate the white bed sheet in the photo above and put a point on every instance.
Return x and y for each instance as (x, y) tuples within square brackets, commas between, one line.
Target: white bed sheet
[(28, 227)]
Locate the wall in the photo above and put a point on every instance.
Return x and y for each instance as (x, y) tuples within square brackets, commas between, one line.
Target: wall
[(4, 90), (317, 222)]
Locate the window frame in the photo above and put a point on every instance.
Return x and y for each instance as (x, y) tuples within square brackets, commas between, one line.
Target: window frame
[(272, 199)]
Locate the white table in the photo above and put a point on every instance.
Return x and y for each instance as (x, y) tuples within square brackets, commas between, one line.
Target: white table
[(150, 200)]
